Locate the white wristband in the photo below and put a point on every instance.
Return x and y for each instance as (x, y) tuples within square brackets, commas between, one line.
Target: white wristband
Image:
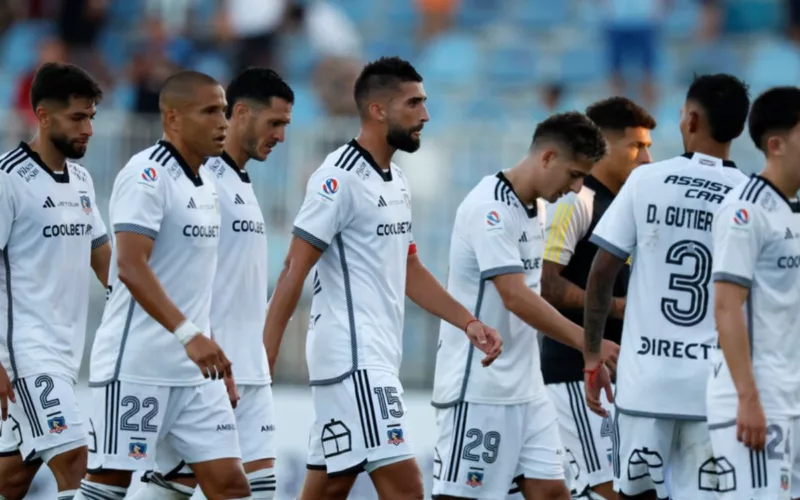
[(186, 331)]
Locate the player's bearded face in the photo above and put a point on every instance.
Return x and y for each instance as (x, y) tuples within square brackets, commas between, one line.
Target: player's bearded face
[(266, 128), (71, 127), (404, 139)]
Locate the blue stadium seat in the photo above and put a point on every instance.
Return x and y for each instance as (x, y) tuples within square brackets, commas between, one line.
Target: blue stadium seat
[(451, 59), (474, 14), (749, 16), (681, 20), (299, 57), (307, 108), (773, 63), (711, 58), (362, 12), (533, 14), (582, 66), (20, 45), (393, 45), (512, 67)]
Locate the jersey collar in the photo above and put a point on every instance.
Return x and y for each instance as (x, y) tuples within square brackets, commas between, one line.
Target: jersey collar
[(598, 187), (173, 151), (385, 175), (793, 204), (725, 163), (62, 178), (531, 211), (243, 175)]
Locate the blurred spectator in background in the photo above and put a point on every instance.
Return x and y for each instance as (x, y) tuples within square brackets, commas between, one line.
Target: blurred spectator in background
[(712, 17), (551, 97), (253, 25), (79, 24), (330, 32), (333, 80), (632, 30), (50, 50), (437, 16), (793, 11)]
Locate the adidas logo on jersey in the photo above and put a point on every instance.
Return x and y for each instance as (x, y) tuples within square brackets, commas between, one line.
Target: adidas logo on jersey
[(191, 204), (524, 237), (789, 235), (48, 203), (381, 202), (237, 200)]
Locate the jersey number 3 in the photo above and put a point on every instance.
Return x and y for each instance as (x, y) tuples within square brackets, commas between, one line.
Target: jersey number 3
[(691, 308)]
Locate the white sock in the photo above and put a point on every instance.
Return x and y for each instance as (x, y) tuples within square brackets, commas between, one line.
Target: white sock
[(97, 491), (263, 484), (153, 491), (67, 495)]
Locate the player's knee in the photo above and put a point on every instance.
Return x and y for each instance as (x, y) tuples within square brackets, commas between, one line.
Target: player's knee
[(553, 490), (15, 480), (225, 486), (338, 488), (69, 467)]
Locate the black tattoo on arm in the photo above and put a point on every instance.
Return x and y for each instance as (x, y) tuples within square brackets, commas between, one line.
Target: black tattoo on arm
[(559, 291), (599, 291)]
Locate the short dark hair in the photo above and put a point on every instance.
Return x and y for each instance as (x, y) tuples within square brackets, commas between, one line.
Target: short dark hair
[(619, 113), (59, 83), (776, 110), (258, 84), (726, 101), (384, 73), (181, 84), (575, 132)]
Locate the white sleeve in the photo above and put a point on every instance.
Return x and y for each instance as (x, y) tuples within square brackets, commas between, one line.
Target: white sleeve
[(139, 200), (496, 242), (616, 231), (327, 208), (567, 222), (738, 238), (99, 231), (7, 209)]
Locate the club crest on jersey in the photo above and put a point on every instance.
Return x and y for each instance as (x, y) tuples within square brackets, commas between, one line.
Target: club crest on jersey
[(149, 174), (741, 217), (784, 480), (86, 204), (395, 436), (57, 425), (137, 450), (475, 478)]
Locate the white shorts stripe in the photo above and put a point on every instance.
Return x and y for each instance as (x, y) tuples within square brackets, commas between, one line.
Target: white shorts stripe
[(758, 469), (366, 409), (29, 408), (578, 407), (460, 424)]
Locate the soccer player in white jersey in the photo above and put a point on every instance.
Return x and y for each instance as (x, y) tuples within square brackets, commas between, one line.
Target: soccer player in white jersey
[(753, 387), (497, 425), (147, 390), (662, 218), (51, 233), (259, 110), (568, 256), (354, 228)]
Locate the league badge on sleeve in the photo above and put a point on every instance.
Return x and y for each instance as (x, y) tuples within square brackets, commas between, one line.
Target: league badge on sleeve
[(330, 187), (493, 221), (149, 174), (741, 217)]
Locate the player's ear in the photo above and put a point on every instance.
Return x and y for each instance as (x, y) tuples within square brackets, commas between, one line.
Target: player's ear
[(42, 115), (694, 121), (547, 156), (377, 112), (776, 145)]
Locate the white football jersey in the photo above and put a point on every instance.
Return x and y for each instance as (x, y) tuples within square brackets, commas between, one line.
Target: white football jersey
[(49, 225), (494, 234), (757, 245), (239, 299), (157, 195), (359, 216), (662, 218)]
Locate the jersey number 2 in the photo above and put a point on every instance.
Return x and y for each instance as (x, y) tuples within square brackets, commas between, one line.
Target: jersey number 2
[(693, 285)]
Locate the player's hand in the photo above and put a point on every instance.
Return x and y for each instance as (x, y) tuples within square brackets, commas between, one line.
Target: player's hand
[(6, 393), (751, 424), (595, 380), (610, 352), (486, 339), (618, 308), (208, 356), (233, 392)]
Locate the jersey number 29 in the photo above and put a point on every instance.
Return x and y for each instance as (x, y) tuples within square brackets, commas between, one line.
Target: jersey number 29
[(693, 286)]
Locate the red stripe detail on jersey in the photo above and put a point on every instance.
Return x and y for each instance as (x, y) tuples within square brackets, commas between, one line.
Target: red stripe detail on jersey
[(412, 248)]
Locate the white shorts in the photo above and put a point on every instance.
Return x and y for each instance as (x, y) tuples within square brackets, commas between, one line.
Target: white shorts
[(358, 422), (586, 436), (482, 449), (645, 447), (46, 416), (770, 474), (255, 422), (131, 423)]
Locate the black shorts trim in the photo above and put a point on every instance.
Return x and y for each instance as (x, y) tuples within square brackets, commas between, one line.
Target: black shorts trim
[(315, 467), (351, 471)]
